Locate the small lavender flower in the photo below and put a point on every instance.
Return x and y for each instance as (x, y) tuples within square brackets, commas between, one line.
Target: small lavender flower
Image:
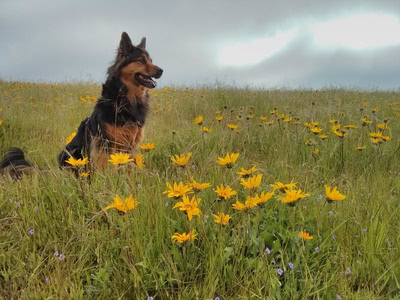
[(47, 280), (193, 167), (280, 272), (339, 298), (139, 186), (364, 229), (31, 231), (61, 257), (267, 250), (291, 265), (317, 249), (216, 298), (166, 204), (149, 298), (319, 197), (331, 213), (9, 200), (348, 271), (36, 209), (56, 254)]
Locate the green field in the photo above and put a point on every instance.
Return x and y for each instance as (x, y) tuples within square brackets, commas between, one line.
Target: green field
[(57, 241)]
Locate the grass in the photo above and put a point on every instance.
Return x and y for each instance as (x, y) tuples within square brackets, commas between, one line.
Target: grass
[(57, 241)]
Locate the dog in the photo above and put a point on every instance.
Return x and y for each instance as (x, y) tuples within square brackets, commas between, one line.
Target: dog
[(118, 119)]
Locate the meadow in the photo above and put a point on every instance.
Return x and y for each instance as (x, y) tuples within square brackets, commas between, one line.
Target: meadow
[(58, 240)]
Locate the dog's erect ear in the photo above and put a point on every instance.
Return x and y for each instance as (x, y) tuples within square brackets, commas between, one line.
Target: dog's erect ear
[(142, 43), (125, 45)]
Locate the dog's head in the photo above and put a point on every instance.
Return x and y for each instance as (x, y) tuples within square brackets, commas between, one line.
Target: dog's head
[(135, 65)]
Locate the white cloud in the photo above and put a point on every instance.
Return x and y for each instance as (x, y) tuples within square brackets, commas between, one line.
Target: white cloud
[(255, 51), (358, 32)]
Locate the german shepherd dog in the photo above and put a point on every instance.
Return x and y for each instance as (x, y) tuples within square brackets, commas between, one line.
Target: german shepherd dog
[(118, 119)]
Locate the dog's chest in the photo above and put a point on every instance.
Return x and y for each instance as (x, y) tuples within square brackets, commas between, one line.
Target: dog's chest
[(124, 138)]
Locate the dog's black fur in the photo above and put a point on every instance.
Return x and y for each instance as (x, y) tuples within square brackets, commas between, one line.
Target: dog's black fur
[(116, 123)]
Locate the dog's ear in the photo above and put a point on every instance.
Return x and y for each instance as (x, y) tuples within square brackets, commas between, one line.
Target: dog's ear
[(142, 43), (125, 45)]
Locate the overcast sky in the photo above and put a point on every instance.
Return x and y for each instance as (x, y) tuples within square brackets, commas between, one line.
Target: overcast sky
[(262, 43)]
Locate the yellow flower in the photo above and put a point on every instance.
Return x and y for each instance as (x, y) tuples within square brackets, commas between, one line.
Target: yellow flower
[(283, 187), (77, 162), (180, 238), (287, 119), (70, 138), (225, 192), (177, 190), (246, 173), (221, 218), (251, 183), (269, 122), (219, 118), (361, 148), (292, 196), (120, 158), (139, 160), (333, 121), (196, 186), (315, 130), (205, 129), (233, 126), (382, 126), (228, 160), (1, 122), (198, 120), (249, 203), (123, 205), (264, 197), (350, 126), (305, 235), (84, 174), (365, 121), (323, 136), (316, 151), (340, 133), (147, 147), (181, 160), (333, 195), (189, 206), (263, 118)]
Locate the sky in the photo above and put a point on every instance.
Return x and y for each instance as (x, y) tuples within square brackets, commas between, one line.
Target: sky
[(304, 44)]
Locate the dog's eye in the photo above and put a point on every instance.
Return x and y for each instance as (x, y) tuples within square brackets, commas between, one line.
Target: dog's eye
[(141, 60)]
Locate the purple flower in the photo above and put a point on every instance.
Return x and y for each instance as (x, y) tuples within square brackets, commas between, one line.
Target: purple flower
[(166, 204), (61, 256), (348, 271), (364, 229), (291, 265), (9, 200), (56, 254), (319, 197), (317, 249), (267, 250), (337, 296), (47, 280), (193, 167), (31, 231), (139, 186), (149, 298), (36, 209), (331, 213), (216, 298), (280, 272)]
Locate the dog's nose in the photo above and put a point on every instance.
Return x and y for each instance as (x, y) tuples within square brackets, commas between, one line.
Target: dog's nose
[(159, 72)]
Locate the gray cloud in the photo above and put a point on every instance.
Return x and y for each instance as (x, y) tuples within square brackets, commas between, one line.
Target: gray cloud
[(76, 40)]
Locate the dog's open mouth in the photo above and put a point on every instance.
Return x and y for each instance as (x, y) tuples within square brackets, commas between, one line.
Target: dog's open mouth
[(147, 81)]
